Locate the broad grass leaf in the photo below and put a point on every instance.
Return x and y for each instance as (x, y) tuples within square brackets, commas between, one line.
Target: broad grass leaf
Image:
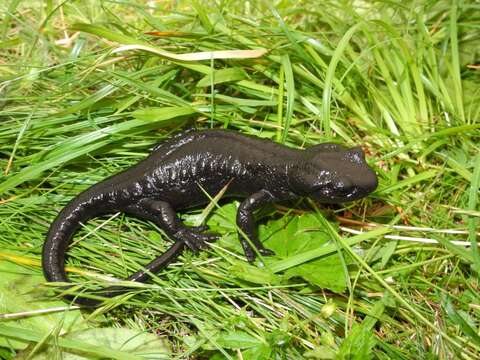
[(290, 91), (358, 345), (222, 221), (40, 339), (321, 352), (143, 344), (303, 234), (89, 101), (260, 352), (243, 101), (21, 292), (224, 217), (105, 33), (163, 113), (382, 254), (325, 273), (237, 340), (10, 43), (253, 274), (463, 321), (222, 76)]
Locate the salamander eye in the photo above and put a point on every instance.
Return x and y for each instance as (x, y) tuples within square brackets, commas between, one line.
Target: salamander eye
[(355, 155), (343, 187)]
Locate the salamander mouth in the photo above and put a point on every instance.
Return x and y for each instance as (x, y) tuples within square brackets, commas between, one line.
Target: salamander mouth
[(332, 195)]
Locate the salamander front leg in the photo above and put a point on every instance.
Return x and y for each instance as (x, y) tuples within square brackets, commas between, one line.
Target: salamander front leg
[(162, 214), (246, 223)]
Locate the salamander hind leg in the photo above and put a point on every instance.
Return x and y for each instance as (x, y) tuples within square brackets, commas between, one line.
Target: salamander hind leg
[(164, 216)]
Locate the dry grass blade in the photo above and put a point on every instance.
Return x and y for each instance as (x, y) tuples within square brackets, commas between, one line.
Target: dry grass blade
[(197, 56)]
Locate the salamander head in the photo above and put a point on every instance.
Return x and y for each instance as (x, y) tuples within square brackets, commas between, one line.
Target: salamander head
[(329, 173)]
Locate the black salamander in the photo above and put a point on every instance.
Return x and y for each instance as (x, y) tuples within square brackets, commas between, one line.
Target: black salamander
[(179, 170)]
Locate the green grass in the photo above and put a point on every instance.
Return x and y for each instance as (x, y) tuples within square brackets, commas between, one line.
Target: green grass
[(399, 78)]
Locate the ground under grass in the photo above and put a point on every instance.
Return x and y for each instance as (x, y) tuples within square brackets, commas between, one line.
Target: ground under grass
[(393, 276)]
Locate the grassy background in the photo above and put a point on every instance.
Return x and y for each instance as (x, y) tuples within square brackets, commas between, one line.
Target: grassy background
[(385, 277)]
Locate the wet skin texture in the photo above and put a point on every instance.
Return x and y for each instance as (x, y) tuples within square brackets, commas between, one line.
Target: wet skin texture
[(176, 175)]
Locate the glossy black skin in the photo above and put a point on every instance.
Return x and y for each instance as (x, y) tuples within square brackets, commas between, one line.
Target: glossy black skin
[(178, 172)]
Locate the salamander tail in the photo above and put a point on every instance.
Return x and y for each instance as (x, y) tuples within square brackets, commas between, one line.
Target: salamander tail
[(59, 237)]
